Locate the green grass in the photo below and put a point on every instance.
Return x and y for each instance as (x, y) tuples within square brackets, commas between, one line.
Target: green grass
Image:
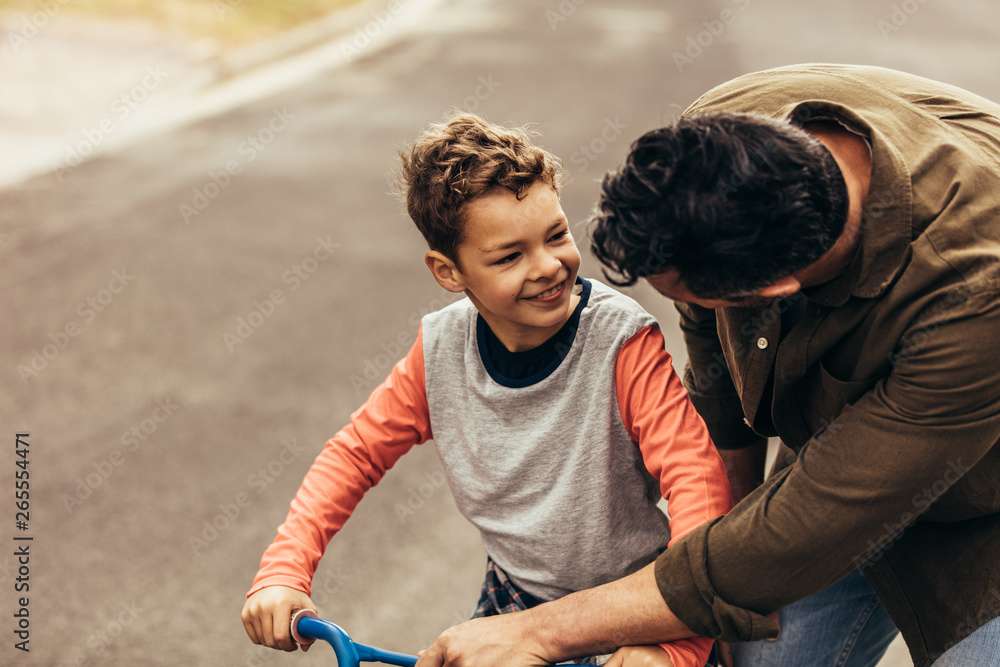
[(229, 21)]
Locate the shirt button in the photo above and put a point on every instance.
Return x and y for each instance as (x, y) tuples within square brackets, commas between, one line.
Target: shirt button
[(762, 343)]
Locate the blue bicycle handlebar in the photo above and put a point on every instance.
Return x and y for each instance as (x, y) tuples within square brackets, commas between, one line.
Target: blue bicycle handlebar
[(349, 652)]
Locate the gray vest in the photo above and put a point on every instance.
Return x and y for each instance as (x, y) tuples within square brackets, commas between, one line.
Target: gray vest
[(548, 473)]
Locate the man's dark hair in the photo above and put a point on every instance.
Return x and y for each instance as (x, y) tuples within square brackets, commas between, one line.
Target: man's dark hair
[(733, 202)]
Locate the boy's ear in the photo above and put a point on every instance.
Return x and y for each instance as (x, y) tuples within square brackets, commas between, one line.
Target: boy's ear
[(445, 271)]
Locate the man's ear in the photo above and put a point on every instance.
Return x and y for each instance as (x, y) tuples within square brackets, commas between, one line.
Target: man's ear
[(786, 286), (445, 271)]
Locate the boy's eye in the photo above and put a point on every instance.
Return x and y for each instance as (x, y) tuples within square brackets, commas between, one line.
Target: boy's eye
[(508, 259), (558, 236)]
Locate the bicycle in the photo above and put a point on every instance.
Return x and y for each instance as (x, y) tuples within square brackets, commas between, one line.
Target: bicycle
[(307, 627)]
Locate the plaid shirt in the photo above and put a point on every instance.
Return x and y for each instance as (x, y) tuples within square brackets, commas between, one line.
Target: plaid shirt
[(500, 595)]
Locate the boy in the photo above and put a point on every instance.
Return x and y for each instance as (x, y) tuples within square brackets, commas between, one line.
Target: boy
[(555, 411)]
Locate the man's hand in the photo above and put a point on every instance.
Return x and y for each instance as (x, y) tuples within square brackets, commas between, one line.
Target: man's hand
[(267, 613), (626, 612), (497, 640), (639, 656)]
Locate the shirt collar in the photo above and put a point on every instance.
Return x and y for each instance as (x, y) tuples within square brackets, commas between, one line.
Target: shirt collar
[(886, 219)]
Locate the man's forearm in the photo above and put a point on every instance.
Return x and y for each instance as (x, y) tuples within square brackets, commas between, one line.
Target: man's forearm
[(627, 612)]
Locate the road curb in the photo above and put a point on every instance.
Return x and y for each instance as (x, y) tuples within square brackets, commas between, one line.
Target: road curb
[(334, 26), (281, 62), (249, 73)]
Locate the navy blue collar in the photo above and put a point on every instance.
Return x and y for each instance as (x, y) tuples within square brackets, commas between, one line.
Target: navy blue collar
[(523, 369)]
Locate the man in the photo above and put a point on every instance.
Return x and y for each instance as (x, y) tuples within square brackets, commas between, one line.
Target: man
[(831, 236)]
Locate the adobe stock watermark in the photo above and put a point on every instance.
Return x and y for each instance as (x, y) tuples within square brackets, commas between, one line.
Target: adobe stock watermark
[(121, 108), (5, 570), (949, 312), (704, 39), (588, 153), (565, 9), (741, 172), (483, 91), (224, 7), (132, 439), (376, 368), (738, 174), (364, 35), (900, 16), (213, 527), (247, 152), (920, 502), (987, 612), (294, 276), (105, 636), (33, 24), (59, 340), (253, 656), (458, 616), (824, 434), (418, 495), (324, 585)]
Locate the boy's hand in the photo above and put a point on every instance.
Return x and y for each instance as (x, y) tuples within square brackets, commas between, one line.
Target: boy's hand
[(267, 615), (639, 656)]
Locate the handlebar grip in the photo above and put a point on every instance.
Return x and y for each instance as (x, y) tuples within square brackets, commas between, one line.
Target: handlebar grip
[(300, 614)]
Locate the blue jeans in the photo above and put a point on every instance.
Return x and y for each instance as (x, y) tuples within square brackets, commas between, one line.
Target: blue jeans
[(982, 647), (844, 625)]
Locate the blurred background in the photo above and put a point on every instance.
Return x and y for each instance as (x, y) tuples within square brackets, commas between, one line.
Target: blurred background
[(205, 272)]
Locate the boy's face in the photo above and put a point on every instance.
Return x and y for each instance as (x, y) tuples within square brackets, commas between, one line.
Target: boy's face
[(519, 264)]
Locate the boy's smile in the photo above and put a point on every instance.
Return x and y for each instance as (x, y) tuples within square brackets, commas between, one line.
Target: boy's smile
[(517, 263)]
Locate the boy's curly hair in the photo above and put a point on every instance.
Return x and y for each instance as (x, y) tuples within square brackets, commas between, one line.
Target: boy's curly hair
[(453, 162)]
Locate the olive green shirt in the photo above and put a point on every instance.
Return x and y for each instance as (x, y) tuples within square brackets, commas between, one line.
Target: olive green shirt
[(884, 383)]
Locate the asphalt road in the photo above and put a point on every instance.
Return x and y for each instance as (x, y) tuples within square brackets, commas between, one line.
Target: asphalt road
[(188, 319)]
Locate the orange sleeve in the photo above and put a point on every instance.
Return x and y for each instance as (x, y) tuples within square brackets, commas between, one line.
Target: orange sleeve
[(676, 450), (672, 437), (393, 419), (690, 652)]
